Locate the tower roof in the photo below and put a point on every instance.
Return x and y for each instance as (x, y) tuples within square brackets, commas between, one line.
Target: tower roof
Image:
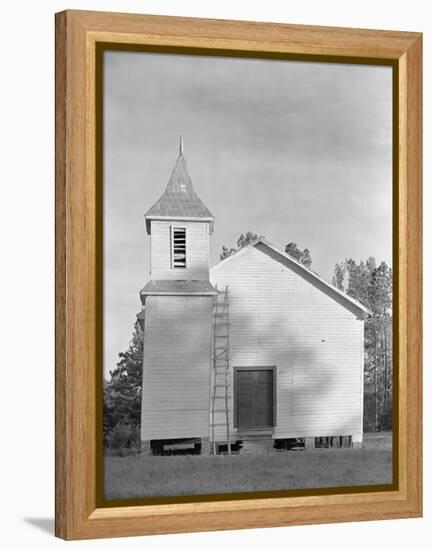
[(179, 201)]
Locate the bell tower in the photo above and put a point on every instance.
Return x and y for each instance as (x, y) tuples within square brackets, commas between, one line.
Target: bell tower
[(177, 309), (179, 225)]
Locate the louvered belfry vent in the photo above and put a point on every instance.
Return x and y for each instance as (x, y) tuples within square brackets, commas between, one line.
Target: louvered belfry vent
[(178, 247)]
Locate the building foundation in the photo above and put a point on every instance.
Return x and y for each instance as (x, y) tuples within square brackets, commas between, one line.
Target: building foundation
[(309, 443), (146, 448)]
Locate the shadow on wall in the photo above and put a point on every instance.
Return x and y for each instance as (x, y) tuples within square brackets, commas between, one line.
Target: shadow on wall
[(303, 379)]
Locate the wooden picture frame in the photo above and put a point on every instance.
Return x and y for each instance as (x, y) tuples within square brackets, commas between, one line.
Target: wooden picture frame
[(79, 37)]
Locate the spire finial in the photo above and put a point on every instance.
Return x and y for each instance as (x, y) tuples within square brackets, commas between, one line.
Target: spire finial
[(181, 146)]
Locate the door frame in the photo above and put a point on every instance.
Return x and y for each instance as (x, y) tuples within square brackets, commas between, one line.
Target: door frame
[(272, 368)]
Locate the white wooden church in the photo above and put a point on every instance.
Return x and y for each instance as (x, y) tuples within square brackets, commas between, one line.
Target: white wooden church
[(258, 348)]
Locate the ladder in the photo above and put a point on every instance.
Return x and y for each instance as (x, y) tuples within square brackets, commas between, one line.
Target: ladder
[(219, 406)]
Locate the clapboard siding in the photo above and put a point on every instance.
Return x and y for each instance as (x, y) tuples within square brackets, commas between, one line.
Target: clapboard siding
[(278, 318), (176, 367), (197, 251)]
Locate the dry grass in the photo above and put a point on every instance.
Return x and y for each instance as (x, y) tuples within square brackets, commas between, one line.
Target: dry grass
[(140, 476)]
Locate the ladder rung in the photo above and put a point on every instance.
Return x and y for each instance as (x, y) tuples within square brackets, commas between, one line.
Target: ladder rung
[(222, 397), (219, 424), (220, 410), (221, 335), (219, 385), (224, 324)]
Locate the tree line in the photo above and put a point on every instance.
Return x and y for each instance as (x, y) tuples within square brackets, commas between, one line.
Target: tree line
[(371, 284), (365, 281)]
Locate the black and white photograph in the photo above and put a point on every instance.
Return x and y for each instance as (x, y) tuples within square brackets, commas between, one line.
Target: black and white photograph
[(247, 275)]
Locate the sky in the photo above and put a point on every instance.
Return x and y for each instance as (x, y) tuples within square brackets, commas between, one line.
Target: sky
[(293, 151)]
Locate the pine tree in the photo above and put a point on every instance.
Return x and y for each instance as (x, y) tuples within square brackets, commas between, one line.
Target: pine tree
[(243, 240), (303, 256), (372, 286), (122, 392)]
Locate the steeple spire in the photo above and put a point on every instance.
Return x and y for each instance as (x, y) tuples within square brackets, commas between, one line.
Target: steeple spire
[(179, 201)]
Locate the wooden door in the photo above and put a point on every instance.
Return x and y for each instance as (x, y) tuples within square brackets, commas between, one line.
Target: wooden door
[(254, 398)]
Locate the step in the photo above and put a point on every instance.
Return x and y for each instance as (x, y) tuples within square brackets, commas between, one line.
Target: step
[(258, 446), (255, 435)]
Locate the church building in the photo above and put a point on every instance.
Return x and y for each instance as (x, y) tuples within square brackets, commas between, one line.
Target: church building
[(258, 352)]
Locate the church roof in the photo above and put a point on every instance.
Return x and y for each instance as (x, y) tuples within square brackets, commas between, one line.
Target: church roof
[(262, 245), (177, 288), (179, 201)]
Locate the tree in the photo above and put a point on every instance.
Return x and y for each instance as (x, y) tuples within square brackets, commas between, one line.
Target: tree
[(243, 240), (226, 252), (303, 256), (122, 392), (371, 284)]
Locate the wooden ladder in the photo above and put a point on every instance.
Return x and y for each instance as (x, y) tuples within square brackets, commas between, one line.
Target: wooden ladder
[(219, 405)]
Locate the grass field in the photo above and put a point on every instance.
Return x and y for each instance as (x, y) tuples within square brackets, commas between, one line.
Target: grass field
[(139, 476)]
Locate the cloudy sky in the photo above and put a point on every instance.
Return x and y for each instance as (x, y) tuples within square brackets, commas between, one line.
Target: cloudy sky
[(289, 150)]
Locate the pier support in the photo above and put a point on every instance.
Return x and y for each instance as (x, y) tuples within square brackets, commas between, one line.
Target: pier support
[(309, 443), (146, 448), (206, 446), (357, 441)]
